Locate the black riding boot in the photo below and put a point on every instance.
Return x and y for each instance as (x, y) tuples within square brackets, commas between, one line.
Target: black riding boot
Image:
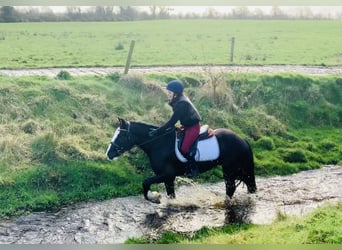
[(192, 170)]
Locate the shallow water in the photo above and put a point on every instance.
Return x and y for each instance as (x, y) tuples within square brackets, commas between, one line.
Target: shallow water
[(196, 206)]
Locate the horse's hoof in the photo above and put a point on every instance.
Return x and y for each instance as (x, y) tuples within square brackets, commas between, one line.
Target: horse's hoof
[(229, 198), (154, 196), (252, 190), (172, 196)]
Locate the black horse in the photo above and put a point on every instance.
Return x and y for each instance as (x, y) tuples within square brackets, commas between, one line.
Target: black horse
[(235, 156)]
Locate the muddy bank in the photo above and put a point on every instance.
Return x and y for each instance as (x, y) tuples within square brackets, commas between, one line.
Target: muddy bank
[(52, 72), (115, 220)]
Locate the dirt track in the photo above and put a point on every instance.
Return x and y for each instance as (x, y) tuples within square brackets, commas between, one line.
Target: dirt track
[(310, 70), (196, 206)]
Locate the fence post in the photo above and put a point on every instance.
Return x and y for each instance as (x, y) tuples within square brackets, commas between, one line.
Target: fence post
[(129, 57), (232, 43)]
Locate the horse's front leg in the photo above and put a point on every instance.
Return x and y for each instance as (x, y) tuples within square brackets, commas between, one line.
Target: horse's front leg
[(152, 196), (170, 187)]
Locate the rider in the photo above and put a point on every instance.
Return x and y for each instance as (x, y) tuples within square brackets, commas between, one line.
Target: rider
[(185, 112)]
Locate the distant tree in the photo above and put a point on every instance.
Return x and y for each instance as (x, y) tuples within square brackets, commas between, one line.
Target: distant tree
[(73, 13), (153, 10), (31, 15), (163, 12), (241, 12), (339, 15), (127, 13), (258, 14), (211, 13), (104, 13), (277, 13), (305, 13), (47, 15), (160, 12), (8, 14)]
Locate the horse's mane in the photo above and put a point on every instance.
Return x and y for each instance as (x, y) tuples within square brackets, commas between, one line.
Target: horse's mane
[(140, 124)]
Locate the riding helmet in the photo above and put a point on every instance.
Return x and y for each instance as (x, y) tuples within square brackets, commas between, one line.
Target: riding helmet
[(175, 86)]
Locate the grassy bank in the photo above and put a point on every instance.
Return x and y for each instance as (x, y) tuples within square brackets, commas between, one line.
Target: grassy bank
[(320, 227), (55, 131), (167, 42)]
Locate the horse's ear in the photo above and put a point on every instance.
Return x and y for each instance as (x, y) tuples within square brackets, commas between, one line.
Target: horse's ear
[(122, 122)]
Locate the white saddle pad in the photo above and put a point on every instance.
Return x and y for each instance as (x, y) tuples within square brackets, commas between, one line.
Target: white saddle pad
[(207, 150)]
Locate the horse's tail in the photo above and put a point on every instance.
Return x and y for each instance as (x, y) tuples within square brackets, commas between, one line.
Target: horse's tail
[(250, 167)]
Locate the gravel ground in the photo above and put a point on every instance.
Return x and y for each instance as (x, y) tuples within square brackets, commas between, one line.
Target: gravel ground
[(309, 70)]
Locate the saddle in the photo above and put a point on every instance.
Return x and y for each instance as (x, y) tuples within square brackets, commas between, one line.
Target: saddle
[(206, 140), (205, 132)]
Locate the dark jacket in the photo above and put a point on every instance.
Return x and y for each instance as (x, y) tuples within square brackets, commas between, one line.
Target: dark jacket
[(183, 111)]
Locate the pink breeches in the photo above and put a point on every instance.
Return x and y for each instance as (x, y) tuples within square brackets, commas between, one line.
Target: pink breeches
[(191, 134)]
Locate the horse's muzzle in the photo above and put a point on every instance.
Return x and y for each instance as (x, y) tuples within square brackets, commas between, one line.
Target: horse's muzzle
[(112, 152), (110, 156)]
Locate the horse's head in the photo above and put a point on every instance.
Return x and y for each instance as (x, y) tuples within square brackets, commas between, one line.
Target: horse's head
[(122, 140)]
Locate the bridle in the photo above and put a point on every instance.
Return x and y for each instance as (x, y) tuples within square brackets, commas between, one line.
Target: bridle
[(120, 149)]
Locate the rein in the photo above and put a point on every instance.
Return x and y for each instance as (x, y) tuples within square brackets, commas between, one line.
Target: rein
[(154, 138), (128, 130)]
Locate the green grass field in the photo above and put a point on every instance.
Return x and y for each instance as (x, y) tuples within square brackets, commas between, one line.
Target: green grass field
[(322, 226), (170, 42)]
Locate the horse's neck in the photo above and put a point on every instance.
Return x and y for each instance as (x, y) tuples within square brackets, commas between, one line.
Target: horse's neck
[(141, 131), (147, 143)]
